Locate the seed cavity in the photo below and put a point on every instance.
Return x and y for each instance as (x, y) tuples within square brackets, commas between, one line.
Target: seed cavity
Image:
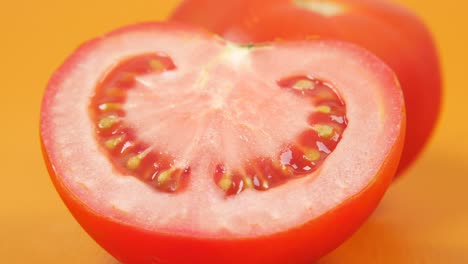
[(338, 119), (323, 147), (115, 93), (310, 148), (126, 79), (264, 184), (124, 149)]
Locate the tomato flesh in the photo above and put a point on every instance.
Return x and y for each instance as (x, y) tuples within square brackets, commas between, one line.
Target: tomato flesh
[(388, 30), (317, 126)]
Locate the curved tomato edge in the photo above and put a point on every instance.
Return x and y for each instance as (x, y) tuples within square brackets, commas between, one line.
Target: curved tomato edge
[(436, 111), (302, 244), (435, 114), (131, 244)]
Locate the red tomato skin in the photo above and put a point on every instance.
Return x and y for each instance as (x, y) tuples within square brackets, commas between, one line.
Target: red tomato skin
[(389, 31)]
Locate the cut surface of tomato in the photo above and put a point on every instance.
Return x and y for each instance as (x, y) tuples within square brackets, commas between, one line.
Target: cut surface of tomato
[(172, 145), (390, 31)]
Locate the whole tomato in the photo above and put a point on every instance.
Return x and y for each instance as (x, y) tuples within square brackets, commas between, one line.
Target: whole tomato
[(388, 30)]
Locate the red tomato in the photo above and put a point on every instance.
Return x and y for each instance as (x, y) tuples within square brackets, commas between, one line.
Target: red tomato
[(391, 32), (171, 145)]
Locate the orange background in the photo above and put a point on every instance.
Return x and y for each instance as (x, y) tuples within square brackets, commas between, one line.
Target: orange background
[(422, 219)]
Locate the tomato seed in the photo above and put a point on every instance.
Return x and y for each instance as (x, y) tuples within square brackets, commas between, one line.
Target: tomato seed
[(324, 131), (108, 122), (134, 162), (324, 109), (303, 85), (112, 143)]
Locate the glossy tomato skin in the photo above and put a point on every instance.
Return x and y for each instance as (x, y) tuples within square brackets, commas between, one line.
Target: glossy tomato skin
[(391, 32)]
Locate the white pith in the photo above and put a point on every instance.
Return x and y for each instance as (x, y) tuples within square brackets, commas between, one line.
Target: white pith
[(202, 209)]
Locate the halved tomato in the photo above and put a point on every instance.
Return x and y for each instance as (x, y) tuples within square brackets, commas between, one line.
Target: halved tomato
[(386, 29), (170, 145)]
